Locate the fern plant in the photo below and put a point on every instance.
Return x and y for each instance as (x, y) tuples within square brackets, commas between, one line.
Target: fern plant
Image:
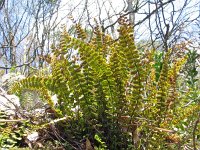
[(111, 89)]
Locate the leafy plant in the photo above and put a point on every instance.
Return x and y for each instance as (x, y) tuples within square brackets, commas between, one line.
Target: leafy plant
[(11, 132), (115, 96)]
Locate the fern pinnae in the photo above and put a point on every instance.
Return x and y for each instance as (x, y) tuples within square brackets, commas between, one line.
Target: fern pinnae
[(133, 63), (163, 87)]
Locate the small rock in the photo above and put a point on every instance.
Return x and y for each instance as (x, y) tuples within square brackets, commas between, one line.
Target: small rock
[(8, 103), (8, 79), (33, 136)]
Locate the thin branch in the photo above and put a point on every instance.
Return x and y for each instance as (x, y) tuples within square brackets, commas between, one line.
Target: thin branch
[(135, 11), (17, 120)]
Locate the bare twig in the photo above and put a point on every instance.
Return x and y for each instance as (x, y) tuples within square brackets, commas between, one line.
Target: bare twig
[(17, 120), (135, 11)]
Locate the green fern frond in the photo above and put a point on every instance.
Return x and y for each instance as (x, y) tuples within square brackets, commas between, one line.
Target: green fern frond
[(163, 86)]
